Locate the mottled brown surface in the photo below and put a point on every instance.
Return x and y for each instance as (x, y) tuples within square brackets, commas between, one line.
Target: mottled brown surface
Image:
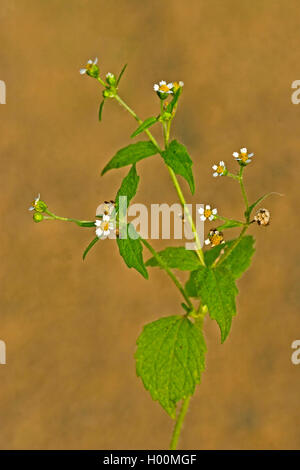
[(70, 327)]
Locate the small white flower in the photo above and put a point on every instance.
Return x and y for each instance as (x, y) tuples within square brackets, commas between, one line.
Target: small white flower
[(163, 87), (104, 227), (109, 75), (88, 66), (215, 237), (220, 169), (243, 156), (31, 208), (207, 213)]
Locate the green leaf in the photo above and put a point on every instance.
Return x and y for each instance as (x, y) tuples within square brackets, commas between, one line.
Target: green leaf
[(169, 359), (131, 250), (130, 155), (177, 258), (147, 123), (89, 247), (178, 159), (121, 74), (238, 260), (100, 110), (128, 187), (216, 288), (230, 223), (260, 199)]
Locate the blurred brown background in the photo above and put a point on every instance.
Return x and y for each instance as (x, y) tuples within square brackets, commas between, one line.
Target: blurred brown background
[(70, 327)]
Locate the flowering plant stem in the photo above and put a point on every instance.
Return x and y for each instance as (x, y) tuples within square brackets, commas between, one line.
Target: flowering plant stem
[(179, 423), (171, 172)]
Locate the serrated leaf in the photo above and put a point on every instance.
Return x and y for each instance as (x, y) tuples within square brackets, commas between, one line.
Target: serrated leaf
[(121, 74), (238, 260), (88, 248), (130, 155), (177, 258), (128, 187), (169, 359), (100, 110), (147, 123), (230, 223), (177, 158), (131, 250), (216, 288)]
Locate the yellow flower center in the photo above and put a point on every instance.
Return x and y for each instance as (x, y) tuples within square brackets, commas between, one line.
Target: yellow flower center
[(220, 169), (216, 239), (244, 157), (164, 88), (207, 213), (105, 226)]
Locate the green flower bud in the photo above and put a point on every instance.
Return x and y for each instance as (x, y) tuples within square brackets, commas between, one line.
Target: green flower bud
[(91, 69), (111, 79), (109, 93), (38, 217), (40, 206)]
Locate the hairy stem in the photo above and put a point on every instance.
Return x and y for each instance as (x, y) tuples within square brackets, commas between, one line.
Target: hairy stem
[(164, 266), (179, 423), (243, 188)]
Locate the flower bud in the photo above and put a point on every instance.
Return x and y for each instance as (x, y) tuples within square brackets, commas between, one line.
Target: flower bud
[(38, 205), (38, 217), (111, 79), (109, 93), (91, 68)]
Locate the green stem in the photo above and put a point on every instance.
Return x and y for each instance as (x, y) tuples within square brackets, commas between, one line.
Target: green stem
[(168, 271), (243, 188), (199, 251), (81, 223), (179, 423)]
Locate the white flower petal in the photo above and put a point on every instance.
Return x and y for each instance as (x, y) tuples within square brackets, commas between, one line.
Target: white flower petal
[(201, 210), (243, 150), (170, 85), (162, 82), (96, 60), (235, 154), (211, 217), (207, 241), (31, 208), (215, 174), (97, 223), (82, 71), (105, 217), (203, 218), (215, 167), (99, 232), (250, 155), (215, 211), (221, 163), (181, 83), (207, 207), (156, 87), (90, 61)]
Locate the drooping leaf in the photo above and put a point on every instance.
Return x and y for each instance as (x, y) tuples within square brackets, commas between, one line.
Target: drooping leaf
[(216, 288), (89, 247), (131, 250), (238, 260), (170, 357), (177, 158), (121, 74), (147, 123), (100, 110), (230, 224), (177, 258), (130, 155), (128, 187)]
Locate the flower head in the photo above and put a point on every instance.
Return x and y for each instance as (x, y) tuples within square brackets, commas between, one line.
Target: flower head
[(111, 79), (262, 217), (38, 205), (220, 169), (104, 226), (177, 85), (207, 213), (91, 68), (163, 89), (243, 157), (215, 237)]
